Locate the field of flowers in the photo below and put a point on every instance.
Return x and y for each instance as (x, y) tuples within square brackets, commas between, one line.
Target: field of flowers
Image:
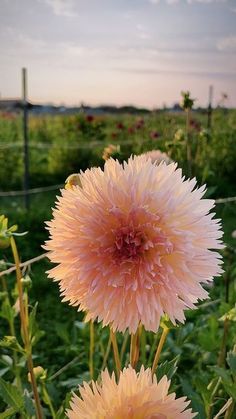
[(129, 245)]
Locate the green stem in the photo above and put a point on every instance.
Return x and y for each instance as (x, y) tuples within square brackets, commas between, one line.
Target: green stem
[(91, 349), (123, 347), (23, 317), (48, 400), (143, 346), (188, 145), (159, 349), (13, 333), (116, 353), (209, 411), (106, 354), (134, 349)]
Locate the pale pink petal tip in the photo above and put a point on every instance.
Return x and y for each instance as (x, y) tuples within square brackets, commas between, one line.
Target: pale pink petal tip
[(134, 242), (137, 395)]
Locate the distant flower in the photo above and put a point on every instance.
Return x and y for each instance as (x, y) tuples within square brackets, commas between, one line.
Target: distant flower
[(89, 118), (134, 242), (110, 151), (154, 135), (194, 124), (120, 126), (137, 395), (131, 130), (114, 135), (179, 135), (157, 156), (234, 234), (139, 124)]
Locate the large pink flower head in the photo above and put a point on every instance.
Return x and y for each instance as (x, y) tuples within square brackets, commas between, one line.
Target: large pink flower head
[(136, 396), (132, 243)]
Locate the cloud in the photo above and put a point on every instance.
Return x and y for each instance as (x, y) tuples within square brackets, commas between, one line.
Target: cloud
[(176, 72), (227, 44), (206, 1), (62, 7), (142, 32), (170, 2)]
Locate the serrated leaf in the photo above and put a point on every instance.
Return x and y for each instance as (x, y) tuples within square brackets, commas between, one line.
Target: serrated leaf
[(11, 395), (167, 368), (196, 401)]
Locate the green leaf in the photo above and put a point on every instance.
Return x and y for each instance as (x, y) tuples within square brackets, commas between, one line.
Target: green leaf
[(167, 368), (28, 404), (7, 312), (11, 342), (230, 315), (227, 381), (11, 395), (8, 413), (196, 401), (32, 321), (60, 414), (231, 361), (201, 387), (225, 375)]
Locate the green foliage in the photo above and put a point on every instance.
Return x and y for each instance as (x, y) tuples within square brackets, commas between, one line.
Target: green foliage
[(11, 395), (202, 348)]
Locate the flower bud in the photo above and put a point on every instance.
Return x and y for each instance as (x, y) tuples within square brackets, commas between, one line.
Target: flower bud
[(26, 282), (72, 180), (39, 373)]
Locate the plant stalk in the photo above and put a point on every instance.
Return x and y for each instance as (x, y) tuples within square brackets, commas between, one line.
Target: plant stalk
[(25, 333), (116, 353), (134, 348), (91, 350), (159, 349), (188, 145)]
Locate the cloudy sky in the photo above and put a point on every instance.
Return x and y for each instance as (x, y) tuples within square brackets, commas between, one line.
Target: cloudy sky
[(141, 52)]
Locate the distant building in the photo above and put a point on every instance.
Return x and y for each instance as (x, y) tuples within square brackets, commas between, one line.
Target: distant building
[(12, 105)]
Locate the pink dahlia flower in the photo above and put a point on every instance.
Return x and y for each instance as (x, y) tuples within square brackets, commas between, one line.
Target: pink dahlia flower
[(157, 156), (135, 396), (134, 242)]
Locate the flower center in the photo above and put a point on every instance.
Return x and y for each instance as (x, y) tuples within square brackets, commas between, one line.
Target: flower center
[(129, 243)]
